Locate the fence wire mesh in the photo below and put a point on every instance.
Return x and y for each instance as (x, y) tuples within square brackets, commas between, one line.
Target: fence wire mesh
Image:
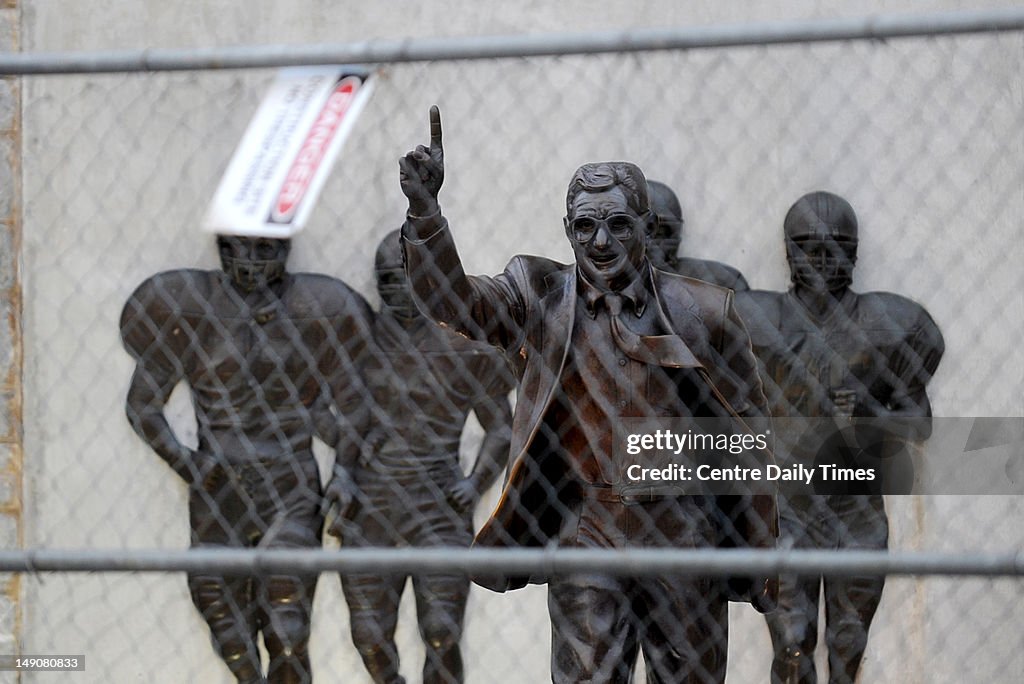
[(925, 139)]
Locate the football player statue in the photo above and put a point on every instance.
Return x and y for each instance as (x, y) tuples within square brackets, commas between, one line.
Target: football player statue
[(424, 381), (829, 353), (666, 235), (270, 359)]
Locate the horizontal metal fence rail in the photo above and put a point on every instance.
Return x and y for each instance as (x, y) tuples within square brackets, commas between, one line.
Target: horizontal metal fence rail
[(630, 562), (390, 51)]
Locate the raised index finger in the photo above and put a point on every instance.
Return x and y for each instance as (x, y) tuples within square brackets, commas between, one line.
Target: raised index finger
[(435, 127)]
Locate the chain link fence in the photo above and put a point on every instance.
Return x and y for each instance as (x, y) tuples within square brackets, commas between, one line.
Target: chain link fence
[(923, 136)]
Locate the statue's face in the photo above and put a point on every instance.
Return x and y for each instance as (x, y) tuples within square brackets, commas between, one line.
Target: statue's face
[(664, 240), (822, 263), (608, 237), (253, 263), (393, 286)]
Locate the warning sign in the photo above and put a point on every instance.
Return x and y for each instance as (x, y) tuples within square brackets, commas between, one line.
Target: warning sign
[(287, 152)]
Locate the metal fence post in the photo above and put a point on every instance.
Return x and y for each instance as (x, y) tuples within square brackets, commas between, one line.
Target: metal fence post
[(11, 431)]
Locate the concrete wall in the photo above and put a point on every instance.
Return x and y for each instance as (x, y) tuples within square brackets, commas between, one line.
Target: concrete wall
[(924, 137)]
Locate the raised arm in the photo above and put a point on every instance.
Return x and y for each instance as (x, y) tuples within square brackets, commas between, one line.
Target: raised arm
[(486, 309)]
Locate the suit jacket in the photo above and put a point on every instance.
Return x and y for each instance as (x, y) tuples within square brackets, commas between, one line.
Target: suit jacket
[(529, 311)]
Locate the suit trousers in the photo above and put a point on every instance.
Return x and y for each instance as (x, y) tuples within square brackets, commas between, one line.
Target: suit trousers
[(599, 623)]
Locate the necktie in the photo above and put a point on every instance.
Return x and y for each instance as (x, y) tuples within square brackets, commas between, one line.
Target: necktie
[(664, 350), (658, 350)]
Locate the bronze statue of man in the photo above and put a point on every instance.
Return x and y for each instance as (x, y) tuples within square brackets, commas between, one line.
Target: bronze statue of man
[(666, 237), (423, 382), (829, 353), (269, 358), (594, 343)]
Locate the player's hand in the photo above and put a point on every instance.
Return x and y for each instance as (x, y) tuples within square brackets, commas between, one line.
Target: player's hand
[(339, 501), (421, 171), (463, 495), (205, 471), (764, 595)]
